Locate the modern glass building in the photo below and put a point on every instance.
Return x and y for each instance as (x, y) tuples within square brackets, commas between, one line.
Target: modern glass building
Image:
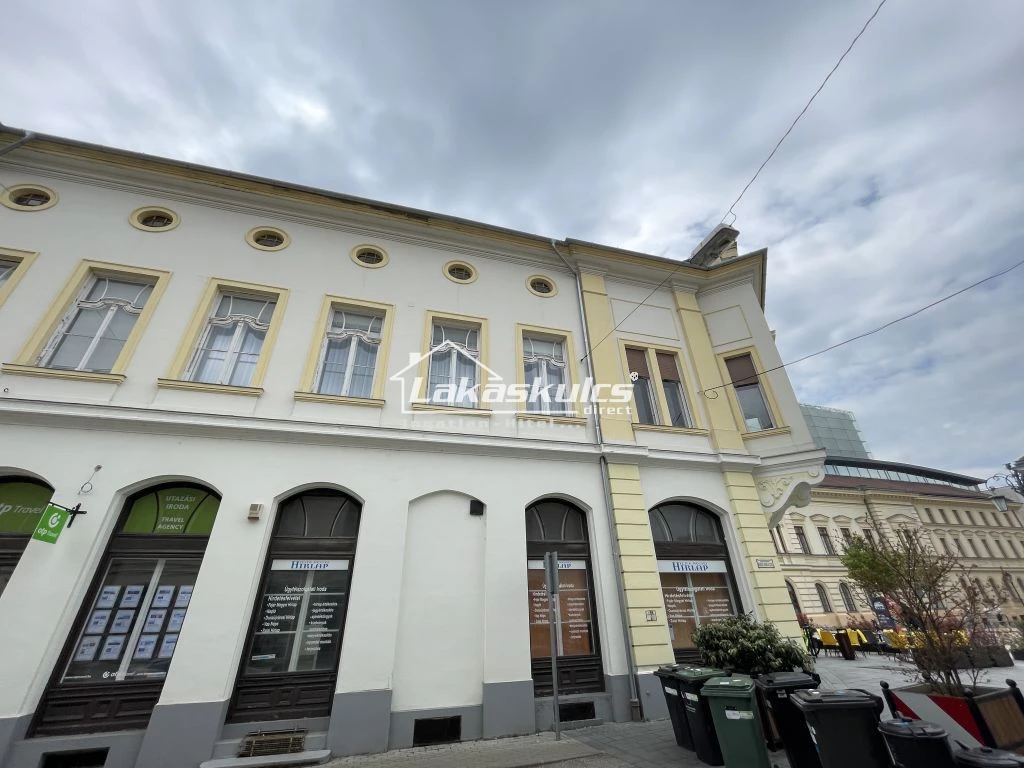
[(836, 431)]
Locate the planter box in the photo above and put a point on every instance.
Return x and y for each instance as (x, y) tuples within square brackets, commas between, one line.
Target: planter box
[(990, 717)]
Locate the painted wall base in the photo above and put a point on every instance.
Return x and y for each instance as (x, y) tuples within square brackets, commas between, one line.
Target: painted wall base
[(652, 697), (508, 709), (124, 749), (402, 723), (360, 723), (163, 745), (231, 734), (618, 687)]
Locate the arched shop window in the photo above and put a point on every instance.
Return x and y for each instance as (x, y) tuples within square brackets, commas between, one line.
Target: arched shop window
[(111, 671), (553, 525), (792, 596), (696, 576), (22, 501), (291, 659)]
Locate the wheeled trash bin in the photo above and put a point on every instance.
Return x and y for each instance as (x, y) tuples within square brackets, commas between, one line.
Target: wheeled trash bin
[(776, 689), (733, 704), (844, 726), (674, 701), (986, 757), (698, 716), (917, 744)]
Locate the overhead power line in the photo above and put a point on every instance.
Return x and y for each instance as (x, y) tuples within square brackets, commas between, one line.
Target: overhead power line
[(873, 331), (801, 113), (749, 183)]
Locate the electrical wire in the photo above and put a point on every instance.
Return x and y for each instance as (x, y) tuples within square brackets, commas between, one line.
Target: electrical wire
[(749, 183), (711, 392), (801, 114)]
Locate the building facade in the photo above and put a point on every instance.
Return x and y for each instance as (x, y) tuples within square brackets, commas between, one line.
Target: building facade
[(859, 497), (317, 489)]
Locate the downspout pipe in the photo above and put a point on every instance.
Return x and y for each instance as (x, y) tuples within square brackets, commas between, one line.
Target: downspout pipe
[(635, 705), (25, 139)]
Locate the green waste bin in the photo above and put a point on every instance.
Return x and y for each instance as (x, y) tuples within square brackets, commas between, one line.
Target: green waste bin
[(698, 716), (733, 704)]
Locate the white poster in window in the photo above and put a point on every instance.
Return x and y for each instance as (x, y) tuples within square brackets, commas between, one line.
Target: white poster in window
[(87, 648), (184, 595), (132, 596), (112, 648), (177, 619), (162, 598), (108, 596), (167, 646), (154, 620), (98, 622), (122, 622), (146, 646)]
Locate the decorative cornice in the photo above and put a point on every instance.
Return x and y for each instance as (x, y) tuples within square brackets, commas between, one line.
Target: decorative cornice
[(779, 492)]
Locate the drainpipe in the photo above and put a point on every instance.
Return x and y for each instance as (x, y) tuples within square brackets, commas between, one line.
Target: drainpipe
[(25, 139), (635, 707)]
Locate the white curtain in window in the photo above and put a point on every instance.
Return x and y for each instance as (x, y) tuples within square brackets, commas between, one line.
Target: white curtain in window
[(544, 367), (230, 348), (350, 354), (453, 366)]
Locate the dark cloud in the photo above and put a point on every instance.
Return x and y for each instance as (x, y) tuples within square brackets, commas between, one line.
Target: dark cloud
[(634, 124)]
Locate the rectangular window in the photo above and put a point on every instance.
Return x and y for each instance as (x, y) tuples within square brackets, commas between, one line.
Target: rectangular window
[(945, 546), (801, 539), (132, 630), (928, 515), (749, 394), (675, 396), (454, 365), (956, 517), (7, 267), (230, 346), (970, 518), (94, 331), (869, 537), (826, 541), (972, 551), (1002, 550), (13, 265), (780, 540), (942, 514), (576, 625), (847, 536), (349, 353), (643, 389), (546, 374), (694, 599), (988, 549)]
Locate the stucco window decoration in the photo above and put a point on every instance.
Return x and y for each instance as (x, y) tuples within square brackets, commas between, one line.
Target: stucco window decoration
[(28, 197), (369, 256), (541, 286), (150, 219), (267, 238), (459, 272)]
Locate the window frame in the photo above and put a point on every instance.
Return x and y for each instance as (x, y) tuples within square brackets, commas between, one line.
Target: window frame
[(823, 597), (27, 361), (318, 346), (687, 383), (22, 263), (423, 365), (779, 426), (846, 594), (826, 541), (801, 539), (188, 347), (571, 367)]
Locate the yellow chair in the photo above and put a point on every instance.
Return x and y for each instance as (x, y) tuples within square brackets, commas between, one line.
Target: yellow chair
[(855, 639), (828, 641)]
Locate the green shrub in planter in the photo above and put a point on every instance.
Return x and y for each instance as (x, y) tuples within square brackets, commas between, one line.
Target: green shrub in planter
[(750, 647)]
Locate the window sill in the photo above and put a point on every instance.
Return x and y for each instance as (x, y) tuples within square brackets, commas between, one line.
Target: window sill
[(315, 397), (455, 409), (57, 373), (198, 386), (766, 433), (552, 417), (673, 430)]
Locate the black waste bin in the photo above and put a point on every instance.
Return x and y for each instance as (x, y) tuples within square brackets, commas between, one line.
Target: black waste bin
[(674, 702), (776, 689), (917, 744), (698, 714), (985, 757), (844, 726), (845, 646)]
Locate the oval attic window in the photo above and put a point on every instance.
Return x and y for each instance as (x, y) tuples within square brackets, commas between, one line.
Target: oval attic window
[(30, 198), (461, 273), (268, 239), (155, 220), (370, 257), (540, 285)]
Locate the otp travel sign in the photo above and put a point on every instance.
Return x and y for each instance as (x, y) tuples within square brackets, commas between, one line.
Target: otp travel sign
[(51, 523), (21, 505)]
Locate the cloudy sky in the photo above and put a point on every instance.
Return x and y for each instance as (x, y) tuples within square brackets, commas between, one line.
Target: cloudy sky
[(634, 124)]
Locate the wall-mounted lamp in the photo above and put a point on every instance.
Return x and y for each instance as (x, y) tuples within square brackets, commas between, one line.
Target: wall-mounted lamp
[(255, 510), (476, 507)]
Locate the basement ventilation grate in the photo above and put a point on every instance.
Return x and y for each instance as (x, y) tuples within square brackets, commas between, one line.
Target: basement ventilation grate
[(262, 743), (436, 730), (583, 710), (87, 758)]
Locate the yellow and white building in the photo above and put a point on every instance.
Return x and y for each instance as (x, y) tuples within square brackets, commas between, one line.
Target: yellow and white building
[(294, 519)]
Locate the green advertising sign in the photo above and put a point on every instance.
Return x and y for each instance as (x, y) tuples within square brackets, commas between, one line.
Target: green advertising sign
[(177, 510), (21, 504), (50, 524)]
